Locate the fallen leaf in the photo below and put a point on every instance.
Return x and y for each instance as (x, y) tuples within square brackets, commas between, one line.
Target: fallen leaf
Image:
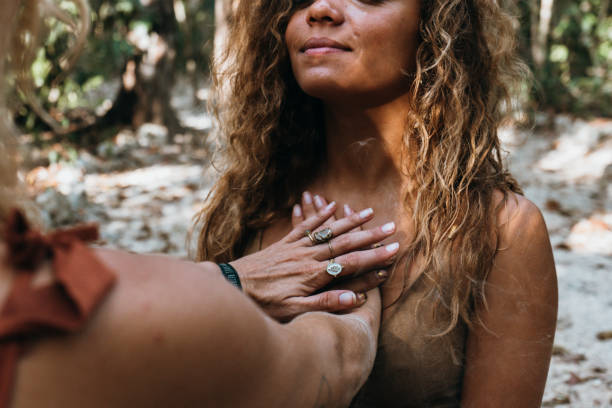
[(557, 400), (567, 356), (604, 335), (576, 379)]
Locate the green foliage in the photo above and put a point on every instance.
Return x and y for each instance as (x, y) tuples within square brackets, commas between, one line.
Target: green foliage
[(96, 77), (576, 75)]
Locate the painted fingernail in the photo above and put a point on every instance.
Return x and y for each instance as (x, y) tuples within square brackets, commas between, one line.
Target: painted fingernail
[(388, 227), (347, 210), (392, 247), (297, 210), (366, 213), (347, 299), (382, 274), (330, 205), (362, 297), (318, 201), (307, 197)]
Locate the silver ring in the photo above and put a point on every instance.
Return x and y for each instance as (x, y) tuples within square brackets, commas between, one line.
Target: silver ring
[(333, 268), (323, 235)]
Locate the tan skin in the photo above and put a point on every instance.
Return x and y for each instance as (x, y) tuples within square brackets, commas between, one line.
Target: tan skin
[(365, 98), (174, 333), (284, 278)]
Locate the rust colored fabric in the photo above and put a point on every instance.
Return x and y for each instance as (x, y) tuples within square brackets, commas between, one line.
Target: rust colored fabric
[(80, 283)]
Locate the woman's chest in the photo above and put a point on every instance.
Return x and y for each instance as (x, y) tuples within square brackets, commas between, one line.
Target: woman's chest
[(414, 366)]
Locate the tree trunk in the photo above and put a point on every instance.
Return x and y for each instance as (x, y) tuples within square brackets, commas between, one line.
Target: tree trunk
[(540, 28), (224, 13), (148, 78)]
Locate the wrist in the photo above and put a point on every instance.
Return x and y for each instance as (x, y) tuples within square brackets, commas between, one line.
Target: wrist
[(231, 274)]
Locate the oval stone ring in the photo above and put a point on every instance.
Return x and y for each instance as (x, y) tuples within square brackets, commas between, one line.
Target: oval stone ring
[(334, 268), (323, 235)]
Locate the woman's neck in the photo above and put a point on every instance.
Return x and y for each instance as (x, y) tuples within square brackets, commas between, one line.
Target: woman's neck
[(364, 144)]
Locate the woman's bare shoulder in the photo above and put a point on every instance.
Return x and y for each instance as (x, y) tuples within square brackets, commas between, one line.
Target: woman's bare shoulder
[(517, 218), (510, 349), (508, 353), (524, 253)]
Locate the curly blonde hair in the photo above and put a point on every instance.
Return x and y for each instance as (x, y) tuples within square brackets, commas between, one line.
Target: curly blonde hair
[(467, 70)]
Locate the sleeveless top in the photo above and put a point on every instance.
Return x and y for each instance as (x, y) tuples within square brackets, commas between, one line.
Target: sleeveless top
[(413, 368), (30, 312)]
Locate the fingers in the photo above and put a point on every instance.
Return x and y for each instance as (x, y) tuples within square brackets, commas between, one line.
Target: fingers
[(348, 211), (320, 203), (338, 227), (313, 204), (308, 206), (311, 222), (369, 313), (351, 222), (360, 261), (365, 282), (356, 240), (297, 215), (331, 301)]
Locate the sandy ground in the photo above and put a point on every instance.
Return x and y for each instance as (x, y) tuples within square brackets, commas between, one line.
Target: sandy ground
[(146, 191), (567, 172)]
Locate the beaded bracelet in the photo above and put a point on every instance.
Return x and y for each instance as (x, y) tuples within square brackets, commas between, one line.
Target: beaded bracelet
[(230, 274)]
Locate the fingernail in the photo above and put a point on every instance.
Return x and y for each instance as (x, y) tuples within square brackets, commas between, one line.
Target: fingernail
[(347, 210), (318, 201), (297, 211), (388, 227), (330, 205), (347, 299), (382, 274), (362, 297), (366, 213), (392, 247), (307, 197)]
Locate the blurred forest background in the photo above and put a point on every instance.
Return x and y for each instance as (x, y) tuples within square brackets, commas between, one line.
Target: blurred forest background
[(124, 139), (138, 49)]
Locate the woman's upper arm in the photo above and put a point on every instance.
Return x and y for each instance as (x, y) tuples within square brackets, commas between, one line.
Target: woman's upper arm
[(508, 352)]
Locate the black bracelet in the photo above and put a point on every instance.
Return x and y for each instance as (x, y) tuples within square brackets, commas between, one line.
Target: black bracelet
[(230, 274)]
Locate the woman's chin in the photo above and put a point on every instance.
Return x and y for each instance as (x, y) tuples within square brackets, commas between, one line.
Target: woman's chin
[(353, 97), (332, 92)]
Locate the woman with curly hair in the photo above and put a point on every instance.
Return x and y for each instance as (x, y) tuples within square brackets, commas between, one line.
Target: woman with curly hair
[(91, 327), (395, 104)]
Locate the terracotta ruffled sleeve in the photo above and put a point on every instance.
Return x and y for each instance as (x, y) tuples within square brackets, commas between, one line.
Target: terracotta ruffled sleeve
[(80, 283)]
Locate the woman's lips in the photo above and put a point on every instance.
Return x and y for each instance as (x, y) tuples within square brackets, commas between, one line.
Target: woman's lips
[(321, 45)]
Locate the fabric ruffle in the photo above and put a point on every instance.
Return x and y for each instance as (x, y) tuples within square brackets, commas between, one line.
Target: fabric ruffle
[(81, 281)]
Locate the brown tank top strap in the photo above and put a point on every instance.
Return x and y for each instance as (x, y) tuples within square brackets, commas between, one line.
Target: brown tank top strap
[(260, 239), (80, 283)]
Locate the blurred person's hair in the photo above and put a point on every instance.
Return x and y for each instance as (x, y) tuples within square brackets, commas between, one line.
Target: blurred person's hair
[(9, 187), (21, 23)]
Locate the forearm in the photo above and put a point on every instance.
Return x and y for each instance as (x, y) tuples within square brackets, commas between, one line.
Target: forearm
[(337, 354), (319, 359)]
